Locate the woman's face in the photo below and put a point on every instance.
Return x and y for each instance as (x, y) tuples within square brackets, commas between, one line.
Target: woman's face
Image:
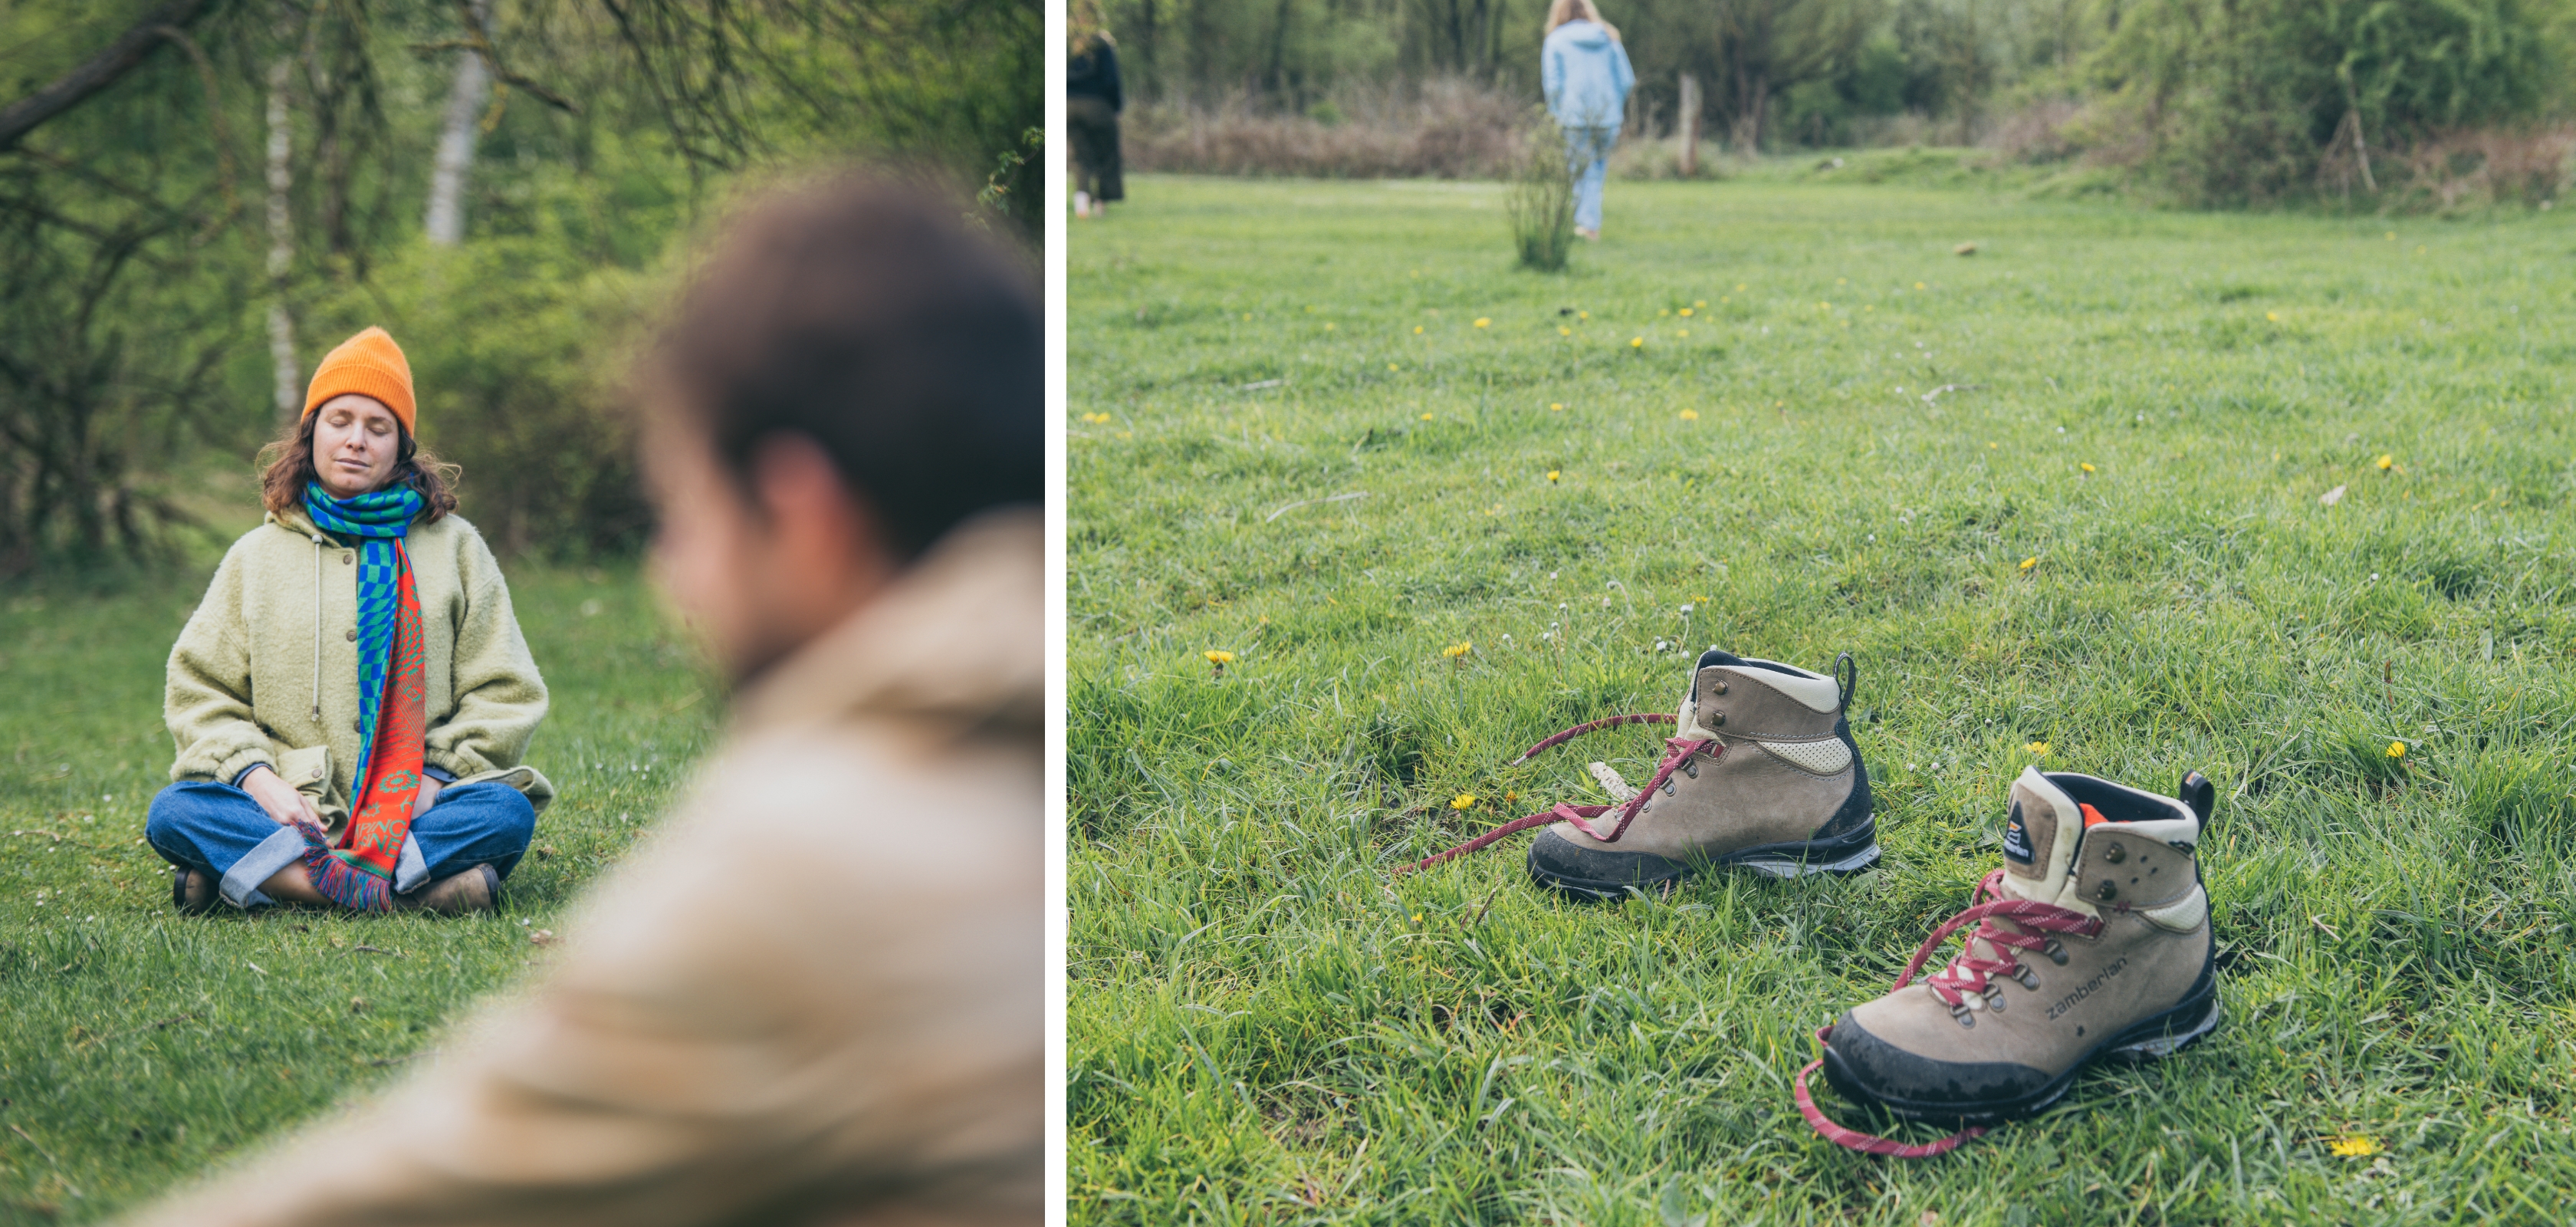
[(355, 439)]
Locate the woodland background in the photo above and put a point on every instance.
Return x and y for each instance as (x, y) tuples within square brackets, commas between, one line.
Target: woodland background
[(2408, 105), (200, 197)]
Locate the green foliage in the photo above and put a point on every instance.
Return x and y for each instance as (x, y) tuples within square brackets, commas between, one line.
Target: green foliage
[(2242, 99), (1265, 1024), (139, 1047)]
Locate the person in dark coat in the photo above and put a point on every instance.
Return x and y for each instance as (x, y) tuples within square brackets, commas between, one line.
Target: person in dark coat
[(1092, 102)]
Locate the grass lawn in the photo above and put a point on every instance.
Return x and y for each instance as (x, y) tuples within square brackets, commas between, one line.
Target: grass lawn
[(138, 1046), (1327, 428)]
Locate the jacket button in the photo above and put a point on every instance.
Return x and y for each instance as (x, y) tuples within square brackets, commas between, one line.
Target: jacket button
[(357, 726), (353, 635), (346, 559)]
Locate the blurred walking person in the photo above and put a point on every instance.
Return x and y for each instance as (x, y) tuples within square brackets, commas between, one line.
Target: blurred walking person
[(1092, 101), (1585, 72), (817, 995)]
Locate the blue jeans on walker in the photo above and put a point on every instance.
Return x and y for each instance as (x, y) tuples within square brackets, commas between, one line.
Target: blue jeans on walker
[(219, 831), (1587, 157)]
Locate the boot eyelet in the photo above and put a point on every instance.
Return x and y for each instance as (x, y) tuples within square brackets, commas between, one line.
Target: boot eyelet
[(2029, 979), (1668, 786), (2056, 952), (2106, 892), (1690, 769), (2115, 854), (1960, 1012)]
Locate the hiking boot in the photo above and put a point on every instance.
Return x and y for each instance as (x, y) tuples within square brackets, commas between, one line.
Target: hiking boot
[(2095, 943), (191, 892), (475, 890), (1762, 773)]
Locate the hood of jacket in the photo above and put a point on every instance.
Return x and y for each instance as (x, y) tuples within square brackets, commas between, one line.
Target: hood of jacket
[(959, 639)]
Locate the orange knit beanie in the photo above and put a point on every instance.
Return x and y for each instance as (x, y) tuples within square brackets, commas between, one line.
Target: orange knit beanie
[(369, 364)]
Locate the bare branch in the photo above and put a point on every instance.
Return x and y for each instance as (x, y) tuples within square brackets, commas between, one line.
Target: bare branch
[(97, 73)]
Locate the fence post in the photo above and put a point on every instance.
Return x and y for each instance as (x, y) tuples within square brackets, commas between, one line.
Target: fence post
[(1689, 126)]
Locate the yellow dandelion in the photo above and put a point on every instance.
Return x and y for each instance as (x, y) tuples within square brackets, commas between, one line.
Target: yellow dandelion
[(1551, 474), (1690, 415), (2384, 462), (2273, 316), (1636, 342), (1329, 325), (1583, 315), (1700, 302), (2039, 748), (2396, 749), (1842, 281), (1739, 287), (1393, 367), (1417, 330), (1218, 656), (1426, 417), (1417, 918), (1824, 306), (1681, 332), (1464, 800), (2030, 562), (2088, 468), (1918, 285), (1686, 312), (2392, 236), (1564, 331), (1556, 406), (1247, 316), (2353, 1146), (1990, 447), (1869, 307), (1456, 650), (1511, 796), (1483, 322)]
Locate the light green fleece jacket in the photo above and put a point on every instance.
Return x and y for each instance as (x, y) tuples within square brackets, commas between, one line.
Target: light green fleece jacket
[(282, 614)]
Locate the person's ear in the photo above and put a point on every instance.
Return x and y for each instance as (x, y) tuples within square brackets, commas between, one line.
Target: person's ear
[(812, 514)]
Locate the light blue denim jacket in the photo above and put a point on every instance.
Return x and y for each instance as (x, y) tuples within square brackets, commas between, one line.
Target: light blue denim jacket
[(1586, 75)]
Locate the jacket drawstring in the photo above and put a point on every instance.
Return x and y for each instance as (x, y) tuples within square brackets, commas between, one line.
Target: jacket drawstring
[(317, 628)]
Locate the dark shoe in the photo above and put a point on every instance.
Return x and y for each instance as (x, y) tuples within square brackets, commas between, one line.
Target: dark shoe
[(1763, 773), (2092, 941), (190, 891), (475, 890)]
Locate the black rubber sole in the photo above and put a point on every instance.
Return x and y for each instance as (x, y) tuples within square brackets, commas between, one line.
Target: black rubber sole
[(1557, 863), (2157, 1036)]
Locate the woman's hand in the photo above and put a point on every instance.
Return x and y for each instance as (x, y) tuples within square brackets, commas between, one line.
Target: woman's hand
[(426, 797), (278, 798)]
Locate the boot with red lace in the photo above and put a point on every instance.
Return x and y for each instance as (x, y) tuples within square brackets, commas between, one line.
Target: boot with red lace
[(2091, 942), (1760, 773)]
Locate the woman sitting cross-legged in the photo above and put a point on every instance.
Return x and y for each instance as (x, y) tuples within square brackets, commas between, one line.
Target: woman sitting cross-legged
[(352, 697)]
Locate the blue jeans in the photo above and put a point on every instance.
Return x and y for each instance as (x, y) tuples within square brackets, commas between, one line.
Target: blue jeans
[(217, 830), (1587, 158)]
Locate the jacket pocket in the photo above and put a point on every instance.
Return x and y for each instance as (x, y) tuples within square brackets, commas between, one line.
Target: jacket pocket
[(309, 770)]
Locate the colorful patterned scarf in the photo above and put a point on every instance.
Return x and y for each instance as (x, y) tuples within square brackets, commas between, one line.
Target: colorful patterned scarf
[(393, 695)]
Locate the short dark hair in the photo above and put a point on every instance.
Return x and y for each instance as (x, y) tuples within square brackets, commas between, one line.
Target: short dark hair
[(869, 316)]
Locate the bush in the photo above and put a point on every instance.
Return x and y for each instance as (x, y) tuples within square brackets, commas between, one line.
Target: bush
[(1446, 129)]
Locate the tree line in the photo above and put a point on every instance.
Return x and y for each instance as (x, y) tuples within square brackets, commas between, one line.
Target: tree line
[(199, 196)]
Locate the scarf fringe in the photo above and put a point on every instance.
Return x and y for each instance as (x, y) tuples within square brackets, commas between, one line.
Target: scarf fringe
[(339, 881)]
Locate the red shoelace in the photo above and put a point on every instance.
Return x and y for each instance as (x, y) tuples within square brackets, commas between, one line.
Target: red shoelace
[(1586, 818), (2005, 925)]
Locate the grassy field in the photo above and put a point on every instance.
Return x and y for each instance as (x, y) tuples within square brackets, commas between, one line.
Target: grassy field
[(1437, 508), (138, 1046)]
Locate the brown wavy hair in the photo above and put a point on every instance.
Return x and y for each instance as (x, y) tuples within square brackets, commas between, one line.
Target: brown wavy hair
[(289, 468)]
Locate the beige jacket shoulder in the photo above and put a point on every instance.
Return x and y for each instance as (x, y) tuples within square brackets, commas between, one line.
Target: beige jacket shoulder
[(266, 670), (815, 997)]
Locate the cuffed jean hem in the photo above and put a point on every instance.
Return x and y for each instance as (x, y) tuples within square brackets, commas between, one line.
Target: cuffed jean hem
[(241, 882)]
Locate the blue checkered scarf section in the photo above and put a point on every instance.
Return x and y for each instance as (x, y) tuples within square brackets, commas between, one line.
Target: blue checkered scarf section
[(378, 520)]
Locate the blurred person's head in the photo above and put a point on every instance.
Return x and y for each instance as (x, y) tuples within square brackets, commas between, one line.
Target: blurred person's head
[(855, 373), (1560, 12), (355, 436)]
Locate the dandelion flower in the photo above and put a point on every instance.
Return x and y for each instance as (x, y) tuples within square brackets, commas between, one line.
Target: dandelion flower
[(2353, 1146), (1511, 796), (1556, 406), (1824, 306), (1483, 322), (1564, 331), (1551, 474), (1739, 287), (2088, 468), (1700, 303), (1636, 342), (2396, 749), (1456, 650), (1918, 285), (1218, 656), (1426, 417), (1686, 312), (1391, 366), (1583, 315), (2030, 562), (2039, 748), (1681, 332), (1417, 918), (1690, 415), (1329, 325), (2392, 236), (2273, 316), (1247, 316), (2384, 462), (1417, 330), (1464, 800)]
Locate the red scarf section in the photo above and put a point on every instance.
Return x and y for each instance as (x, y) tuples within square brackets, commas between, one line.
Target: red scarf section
[(374, 838)]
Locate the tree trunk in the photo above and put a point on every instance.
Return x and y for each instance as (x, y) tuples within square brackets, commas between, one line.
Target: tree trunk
[(446, 221), (281, 242)]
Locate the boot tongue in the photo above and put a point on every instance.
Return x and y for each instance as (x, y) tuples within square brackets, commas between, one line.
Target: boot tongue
[(2039, 837)]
